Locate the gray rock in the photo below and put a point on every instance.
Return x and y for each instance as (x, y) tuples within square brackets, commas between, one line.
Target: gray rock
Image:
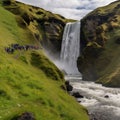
[(77, 95)]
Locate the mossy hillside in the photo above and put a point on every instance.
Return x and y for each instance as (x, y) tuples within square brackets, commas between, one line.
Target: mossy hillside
[(27, 89), (46, 66), (100, 45), (46, 27), (25, 86)]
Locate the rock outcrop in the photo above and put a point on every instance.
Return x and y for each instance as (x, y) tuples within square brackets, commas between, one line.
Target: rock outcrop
[(24, 116), (46, 27), (77, 95), (100, 45), (69, 87)]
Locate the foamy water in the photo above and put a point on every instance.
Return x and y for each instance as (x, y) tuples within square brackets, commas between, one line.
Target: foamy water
[(100, 106)]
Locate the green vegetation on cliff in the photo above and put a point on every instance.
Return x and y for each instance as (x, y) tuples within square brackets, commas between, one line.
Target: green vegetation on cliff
[(100, 40), (26, 85), (45, 26)]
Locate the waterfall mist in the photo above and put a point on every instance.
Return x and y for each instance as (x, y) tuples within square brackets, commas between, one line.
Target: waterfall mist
[(70, 50)]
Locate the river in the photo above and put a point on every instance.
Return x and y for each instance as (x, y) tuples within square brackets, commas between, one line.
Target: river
[(102, 103)]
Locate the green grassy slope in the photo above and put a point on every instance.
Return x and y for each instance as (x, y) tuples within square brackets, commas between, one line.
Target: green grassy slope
[(27, 87), (45, 26), (100, 41)]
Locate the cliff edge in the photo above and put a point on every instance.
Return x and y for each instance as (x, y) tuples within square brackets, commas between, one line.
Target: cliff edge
[(100, 45)]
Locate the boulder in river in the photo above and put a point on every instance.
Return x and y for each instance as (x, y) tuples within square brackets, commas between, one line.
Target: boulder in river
[(77, 95), (68, 86), (106, 96)]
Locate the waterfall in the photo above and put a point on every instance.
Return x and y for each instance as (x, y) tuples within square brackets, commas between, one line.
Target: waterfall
[(70, 49)]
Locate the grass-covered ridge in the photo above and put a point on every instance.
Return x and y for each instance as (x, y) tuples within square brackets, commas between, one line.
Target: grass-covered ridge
[(25, 86), (45, 26), (100, 42)]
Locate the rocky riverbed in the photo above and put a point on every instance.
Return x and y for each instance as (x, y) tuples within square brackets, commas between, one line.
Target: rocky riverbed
[(102, 103)]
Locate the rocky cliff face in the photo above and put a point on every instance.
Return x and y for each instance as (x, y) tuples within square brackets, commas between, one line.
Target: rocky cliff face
[(100, 45), (46, 27)]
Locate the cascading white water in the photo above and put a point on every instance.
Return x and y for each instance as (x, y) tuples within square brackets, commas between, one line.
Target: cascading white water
[(102, 103), (70, 48)]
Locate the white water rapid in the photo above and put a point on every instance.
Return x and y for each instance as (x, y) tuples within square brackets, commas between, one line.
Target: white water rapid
[(70, 48), (102, 103)]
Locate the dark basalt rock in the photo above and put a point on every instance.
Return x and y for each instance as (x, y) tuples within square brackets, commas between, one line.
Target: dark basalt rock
[(106, 96), (26, 18), (25, 116), (79, 101), (68, 86), (6, 2), (77, 95)]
